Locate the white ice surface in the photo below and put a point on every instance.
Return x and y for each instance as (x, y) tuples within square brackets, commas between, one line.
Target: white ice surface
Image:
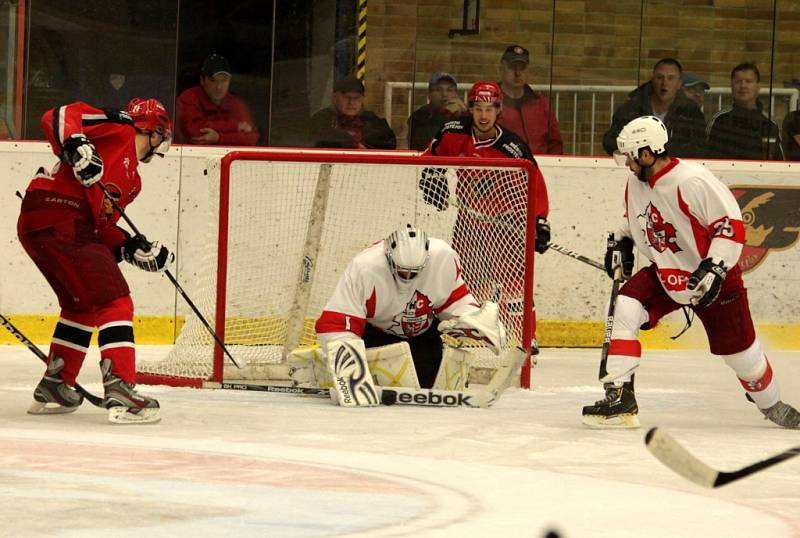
[(228, 463)]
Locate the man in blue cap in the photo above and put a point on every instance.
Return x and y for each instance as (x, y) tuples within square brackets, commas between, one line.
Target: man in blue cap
[(444, 104), (695, 88)]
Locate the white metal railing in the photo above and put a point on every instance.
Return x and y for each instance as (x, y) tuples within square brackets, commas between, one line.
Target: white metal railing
[(721, 96)]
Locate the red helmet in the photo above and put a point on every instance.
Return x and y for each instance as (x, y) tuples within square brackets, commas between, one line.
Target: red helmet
[(485, 92), (149, 116)]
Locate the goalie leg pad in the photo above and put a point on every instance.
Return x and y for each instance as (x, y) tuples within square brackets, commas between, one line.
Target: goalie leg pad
[(309, 368), (352, 380), (454, 369), (393, 366)]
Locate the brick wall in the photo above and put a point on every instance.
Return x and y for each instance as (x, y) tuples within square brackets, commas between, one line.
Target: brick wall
[(580, 42)]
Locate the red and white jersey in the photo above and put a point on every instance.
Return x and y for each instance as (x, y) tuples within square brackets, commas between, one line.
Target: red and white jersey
[(113, 135), (681, 216), (368, 293)]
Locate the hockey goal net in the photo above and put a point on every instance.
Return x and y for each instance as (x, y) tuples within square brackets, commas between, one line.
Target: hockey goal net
[(284, 224)]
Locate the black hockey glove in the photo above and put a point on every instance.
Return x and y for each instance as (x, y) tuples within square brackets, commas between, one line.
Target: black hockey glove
[(433, 184), (542, 235), (145, 255), (87, 165), (707, 280), (619, 253)]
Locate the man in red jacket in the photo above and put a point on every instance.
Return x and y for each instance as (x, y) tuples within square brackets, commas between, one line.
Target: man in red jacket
[(68, 228), (210, 114), (489, 204), (527, 112)]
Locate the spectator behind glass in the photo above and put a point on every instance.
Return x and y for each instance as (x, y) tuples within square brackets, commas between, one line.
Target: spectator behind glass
[(345, 124), (210, 114), (662, 97), (444, 105), (526, 112), (743, 130), (791, 136), (695, 88)]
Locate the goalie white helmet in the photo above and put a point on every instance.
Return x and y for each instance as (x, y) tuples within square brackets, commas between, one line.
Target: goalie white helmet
[(406, 252), (643, 132)]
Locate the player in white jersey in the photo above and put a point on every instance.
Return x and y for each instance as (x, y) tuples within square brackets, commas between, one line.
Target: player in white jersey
[(399, 289), (689, 226)]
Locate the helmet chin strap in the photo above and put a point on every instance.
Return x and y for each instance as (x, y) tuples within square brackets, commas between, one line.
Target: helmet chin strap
[(641, 173)]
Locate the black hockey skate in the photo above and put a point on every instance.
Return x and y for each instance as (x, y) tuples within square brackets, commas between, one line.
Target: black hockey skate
[(617, 410), (124, 404), (52, 395), (782, 414)]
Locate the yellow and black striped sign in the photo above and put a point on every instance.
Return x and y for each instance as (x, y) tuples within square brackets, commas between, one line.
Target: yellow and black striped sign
[(361, 55)]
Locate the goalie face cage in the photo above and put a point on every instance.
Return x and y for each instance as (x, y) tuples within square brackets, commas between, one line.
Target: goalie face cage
[(289, 222)]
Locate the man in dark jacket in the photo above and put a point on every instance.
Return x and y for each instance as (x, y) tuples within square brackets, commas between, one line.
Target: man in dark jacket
[(744, 131), (662, 97), (443, 105), (345, 124)]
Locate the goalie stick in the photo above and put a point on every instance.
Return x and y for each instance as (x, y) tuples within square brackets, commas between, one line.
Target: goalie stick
[(113, 202), (481, 398), (94, 400), (672, 454)]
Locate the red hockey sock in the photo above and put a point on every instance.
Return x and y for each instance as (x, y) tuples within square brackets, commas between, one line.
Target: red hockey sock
[(71, 339), (115, 321)]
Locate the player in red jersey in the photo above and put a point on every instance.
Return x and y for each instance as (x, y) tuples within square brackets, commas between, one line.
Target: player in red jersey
[(490, 205), (69, 230)]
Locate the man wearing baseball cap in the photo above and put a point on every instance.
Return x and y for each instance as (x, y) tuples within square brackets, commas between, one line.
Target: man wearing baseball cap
[(210, 114), (527, 112), (444, 104), (346, 123), (695, 88)]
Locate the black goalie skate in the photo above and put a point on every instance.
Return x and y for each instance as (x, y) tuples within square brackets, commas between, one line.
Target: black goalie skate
[(617, 410)]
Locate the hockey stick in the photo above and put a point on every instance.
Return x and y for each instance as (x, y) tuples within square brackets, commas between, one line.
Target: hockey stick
[(572, 254), (94, 400), (238, 362), (499, 221), (603, 373), (419, 397), (672, 454)]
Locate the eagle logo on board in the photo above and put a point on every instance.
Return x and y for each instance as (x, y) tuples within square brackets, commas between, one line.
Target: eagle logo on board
[(771, 218)]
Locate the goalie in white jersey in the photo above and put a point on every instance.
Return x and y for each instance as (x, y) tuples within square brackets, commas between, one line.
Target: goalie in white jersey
[(688, 225), (403, 291)]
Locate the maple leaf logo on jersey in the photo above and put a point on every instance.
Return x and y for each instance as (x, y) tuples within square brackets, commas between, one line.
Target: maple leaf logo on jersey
[(771, 218), (415, 319), (661, 235)]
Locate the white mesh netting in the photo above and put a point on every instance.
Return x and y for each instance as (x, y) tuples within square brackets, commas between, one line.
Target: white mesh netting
[(481, 211)]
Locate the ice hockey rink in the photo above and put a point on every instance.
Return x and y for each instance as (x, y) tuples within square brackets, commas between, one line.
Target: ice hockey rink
[(230, 463)]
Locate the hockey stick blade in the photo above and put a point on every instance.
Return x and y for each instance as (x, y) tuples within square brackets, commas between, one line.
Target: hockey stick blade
[(94, 400), (672, 454)]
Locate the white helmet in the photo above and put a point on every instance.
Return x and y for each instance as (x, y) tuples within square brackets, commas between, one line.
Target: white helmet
[(643, 132), (406, 251)]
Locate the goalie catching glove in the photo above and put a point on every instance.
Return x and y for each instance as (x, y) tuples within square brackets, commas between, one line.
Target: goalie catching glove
[(145, 255), (482, 325), (87, 165)]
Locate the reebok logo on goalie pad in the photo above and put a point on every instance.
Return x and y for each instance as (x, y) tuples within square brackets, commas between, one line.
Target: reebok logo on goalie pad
[(431, 398)]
